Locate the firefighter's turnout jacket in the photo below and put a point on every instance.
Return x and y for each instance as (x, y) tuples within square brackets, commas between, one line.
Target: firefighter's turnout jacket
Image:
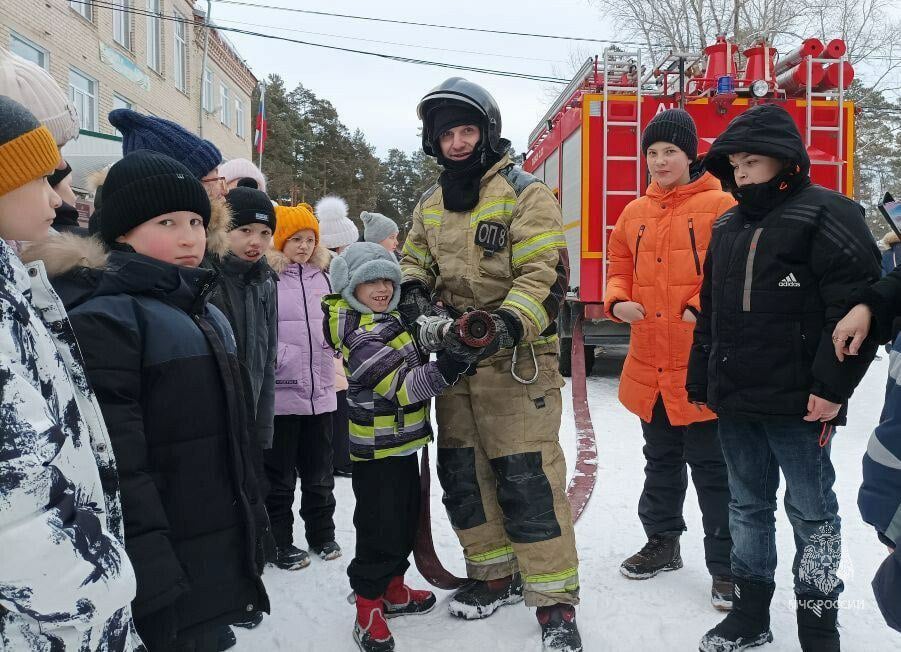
[(499, 459)]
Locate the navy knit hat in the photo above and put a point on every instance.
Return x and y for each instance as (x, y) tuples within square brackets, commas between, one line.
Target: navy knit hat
[(674, 126), (147, 132), (145, 185)]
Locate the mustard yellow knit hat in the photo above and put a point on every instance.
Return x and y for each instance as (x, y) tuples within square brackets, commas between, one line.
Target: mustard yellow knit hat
[(291, 219)]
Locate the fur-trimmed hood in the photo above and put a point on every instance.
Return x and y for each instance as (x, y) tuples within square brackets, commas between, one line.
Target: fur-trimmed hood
[(218, 228), (279, 262), (97, 178), (888, 241), (64, 252)]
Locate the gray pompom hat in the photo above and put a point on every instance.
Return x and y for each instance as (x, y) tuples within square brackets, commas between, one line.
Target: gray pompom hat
[(377, 227), (362, 262)]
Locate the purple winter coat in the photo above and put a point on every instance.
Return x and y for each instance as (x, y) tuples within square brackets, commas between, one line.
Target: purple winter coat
[(305, 367)]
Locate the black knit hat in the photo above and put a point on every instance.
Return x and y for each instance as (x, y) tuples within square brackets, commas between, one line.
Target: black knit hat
[(450, 115), (144, 185), (250, 206), (674, 126)]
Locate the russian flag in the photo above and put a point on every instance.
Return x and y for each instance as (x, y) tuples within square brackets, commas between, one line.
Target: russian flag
[(259, 136)]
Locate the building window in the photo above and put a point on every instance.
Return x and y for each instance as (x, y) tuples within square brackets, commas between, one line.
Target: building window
[(207, 100), (120, 102), (181, 53), (83, 8), (154, 36), (83, 93), (28, 50), (122, 23), (225, 111), (240, 127)]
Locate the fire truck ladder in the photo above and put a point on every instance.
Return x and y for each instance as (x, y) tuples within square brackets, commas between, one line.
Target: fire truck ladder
[(838, 128), (625, 69)]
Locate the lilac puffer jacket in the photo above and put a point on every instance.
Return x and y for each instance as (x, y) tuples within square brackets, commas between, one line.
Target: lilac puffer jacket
[(305, 369)]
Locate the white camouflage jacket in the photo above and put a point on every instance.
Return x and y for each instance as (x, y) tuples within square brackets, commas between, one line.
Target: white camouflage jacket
[(65, 580)]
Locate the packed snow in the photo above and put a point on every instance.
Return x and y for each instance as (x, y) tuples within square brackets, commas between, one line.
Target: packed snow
[(670, 612)]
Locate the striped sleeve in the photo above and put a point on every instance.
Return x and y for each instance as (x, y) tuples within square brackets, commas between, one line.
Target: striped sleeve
[(383, 368)]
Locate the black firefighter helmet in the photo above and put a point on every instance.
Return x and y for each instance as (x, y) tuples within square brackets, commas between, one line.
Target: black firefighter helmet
[(457, 90)]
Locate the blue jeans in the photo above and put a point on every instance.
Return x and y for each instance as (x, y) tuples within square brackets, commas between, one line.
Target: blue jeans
[(755, 451)]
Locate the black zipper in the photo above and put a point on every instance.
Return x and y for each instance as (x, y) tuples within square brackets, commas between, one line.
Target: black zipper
[(694, 245), (637, 242), (309, 338)]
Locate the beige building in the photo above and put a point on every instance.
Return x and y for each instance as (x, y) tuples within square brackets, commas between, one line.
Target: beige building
[(145, 55)]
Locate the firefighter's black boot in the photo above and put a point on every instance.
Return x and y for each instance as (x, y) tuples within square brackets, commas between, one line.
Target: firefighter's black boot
[(748, 624), (559, 632), (480, 599)]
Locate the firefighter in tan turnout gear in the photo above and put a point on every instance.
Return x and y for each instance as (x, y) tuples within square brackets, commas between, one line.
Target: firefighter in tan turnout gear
[(489, 236)]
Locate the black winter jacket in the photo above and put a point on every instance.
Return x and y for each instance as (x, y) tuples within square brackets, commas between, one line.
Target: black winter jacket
[(775, 284), (163, 365), (247, 294)]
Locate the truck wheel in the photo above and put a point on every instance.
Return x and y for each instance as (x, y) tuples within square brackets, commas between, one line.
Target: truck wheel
[(566, 351)]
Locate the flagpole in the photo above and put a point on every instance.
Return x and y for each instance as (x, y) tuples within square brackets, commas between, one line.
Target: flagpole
[(262, 126)]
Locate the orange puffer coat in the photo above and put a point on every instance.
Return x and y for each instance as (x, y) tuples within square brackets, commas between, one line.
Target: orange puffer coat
[(656, 254)]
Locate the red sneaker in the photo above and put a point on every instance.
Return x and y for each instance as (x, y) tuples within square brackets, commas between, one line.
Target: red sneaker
[(370, 629), (401, 600)]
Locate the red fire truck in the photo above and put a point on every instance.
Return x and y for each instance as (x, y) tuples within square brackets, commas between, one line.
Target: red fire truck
[(587, 147)]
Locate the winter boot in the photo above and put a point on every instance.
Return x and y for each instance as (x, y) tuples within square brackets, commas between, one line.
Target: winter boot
[(328, 551), (291, 558), (748, 624), (401, 600), (721, 592), (253, 619), (558, 628), (480, 599), (660, 553), (818, 624), (225, 639), (370, 629)]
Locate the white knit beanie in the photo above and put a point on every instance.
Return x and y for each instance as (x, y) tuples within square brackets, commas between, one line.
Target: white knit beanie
[(335, 228), (34, 88), (240, 168)]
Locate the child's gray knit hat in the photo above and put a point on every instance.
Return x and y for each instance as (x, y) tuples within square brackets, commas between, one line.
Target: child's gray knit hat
[(377, 227), (362, 262)]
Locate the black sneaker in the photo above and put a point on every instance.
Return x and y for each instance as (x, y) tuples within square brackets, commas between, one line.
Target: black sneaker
[(558, 628), (226, 639), (344, 472), (818, 624), (721, 592), (291, 558), (660, 553), (748, 624), (480, 599), (327, 551), (254, 619)]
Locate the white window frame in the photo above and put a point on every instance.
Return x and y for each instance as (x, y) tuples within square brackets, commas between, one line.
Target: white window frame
[(240, 127), (154, 37), (207, 91), (123, 102), (81, 98), (225, 108), (180, 60), (84, 8), (44, 55), (122, 23)]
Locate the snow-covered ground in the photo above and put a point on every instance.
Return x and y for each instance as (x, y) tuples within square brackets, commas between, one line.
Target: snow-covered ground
[(670, 612)]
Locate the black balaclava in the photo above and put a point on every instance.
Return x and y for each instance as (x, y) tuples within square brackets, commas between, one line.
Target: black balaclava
[(758, 199), (460, 180)]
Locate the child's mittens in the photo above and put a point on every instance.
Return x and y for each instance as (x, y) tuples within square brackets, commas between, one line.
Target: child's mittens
[(451, 367)]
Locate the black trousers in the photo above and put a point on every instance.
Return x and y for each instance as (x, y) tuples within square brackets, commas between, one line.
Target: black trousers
[(667, 451), (159, 632), (385, 518), (301, 447), (341, 435)]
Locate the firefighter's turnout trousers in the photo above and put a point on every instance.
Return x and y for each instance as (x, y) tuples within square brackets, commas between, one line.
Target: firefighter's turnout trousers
[(504, 476)]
